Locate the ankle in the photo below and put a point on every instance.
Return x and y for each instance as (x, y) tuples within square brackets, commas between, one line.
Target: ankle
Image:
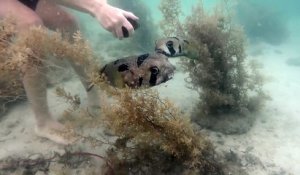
[(43, 122)]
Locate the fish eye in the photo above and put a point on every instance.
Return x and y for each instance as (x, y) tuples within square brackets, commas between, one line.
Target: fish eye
[(169, 44), (123, 67), (154, 70)]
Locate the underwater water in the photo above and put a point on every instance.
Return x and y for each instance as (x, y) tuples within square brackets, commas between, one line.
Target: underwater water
[(270, 146)]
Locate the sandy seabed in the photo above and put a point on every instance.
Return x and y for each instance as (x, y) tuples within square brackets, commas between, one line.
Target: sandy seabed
[(270, 147)]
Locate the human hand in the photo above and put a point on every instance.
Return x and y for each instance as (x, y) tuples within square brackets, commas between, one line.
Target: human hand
[(113, 19)]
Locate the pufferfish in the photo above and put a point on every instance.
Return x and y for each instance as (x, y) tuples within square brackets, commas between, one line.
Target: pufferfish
[(144, 70), (174, 47)]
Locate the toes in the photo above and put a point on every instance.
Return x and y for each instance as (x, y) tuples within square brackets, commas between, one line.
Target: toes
[(56, 133)]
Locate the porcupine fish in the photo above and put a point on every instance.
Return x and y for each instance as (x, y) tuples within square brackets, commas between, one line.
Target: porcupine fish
[(144, 70), (174, 47)]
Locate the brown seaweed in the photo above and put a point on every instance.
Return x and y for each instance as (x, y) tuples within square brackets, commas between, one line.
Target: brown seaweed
[(229, 87)]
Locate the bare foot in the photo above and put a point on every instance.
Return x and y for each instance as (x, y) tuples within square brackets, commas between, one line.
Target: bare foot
[(56, 132), (93, 105), (93, 97)]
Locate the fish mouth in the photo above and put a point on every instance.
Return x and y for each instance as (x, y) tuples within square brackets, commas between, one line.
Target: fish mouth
[(176, 54), (168, 77), (160, 51)]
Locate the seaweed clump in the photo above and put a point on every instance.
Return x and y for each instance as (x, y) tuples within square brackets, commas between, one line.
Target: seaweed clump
[(230, 89), (11, 88), (149, 135), (34, 48), (154, 138)]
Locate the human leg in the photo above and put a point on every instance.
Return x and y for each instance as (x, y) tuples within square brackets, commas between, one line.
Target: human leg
[(56, 18), (23, 15), (34, 79)]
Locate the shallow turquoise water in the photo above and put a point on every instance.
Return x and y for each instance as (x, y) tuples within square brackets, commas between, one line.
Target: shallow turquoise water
[(272, 30)]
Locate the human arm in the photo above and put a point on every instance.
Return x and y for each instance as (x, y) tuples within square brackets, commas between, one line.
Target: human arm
[(111, 18)]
